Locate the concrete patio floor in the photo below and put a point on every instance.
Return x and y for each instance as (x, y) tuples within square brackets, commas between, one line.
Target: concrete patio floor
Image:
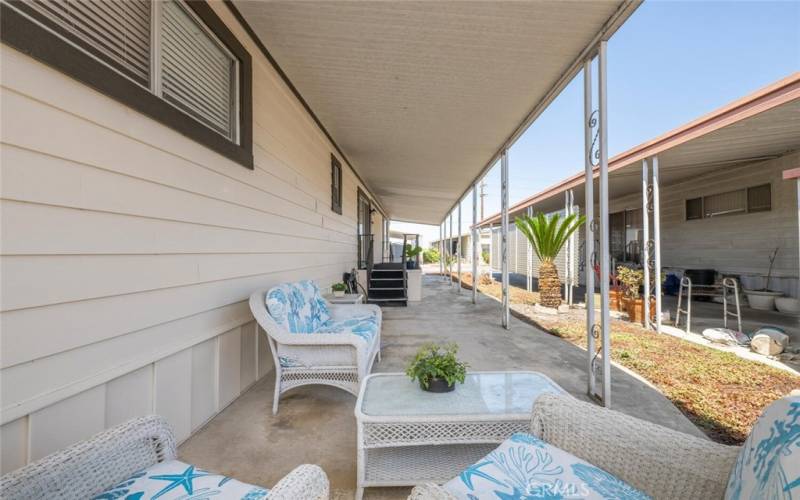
[(316, 424)]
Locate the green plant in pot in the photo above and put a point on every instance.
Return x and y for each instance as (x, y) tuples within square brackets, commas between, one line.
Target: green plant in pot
[(338, 289), (436, 368), (411, 256)]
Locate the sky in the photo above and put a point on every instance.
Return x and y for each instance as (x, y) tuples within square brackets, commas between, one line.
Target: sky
[(670, 63)]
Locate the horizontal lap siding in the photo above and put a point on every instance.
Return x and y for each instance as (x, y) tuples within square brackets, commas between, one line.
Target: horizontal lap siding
[(129, 251), (736, 244)]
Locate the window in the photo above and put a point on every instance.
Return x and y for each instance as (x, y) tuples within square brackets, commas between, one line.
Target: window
[(739, 201), (759, 198), (694, 209), (174, 61), (336, 185)]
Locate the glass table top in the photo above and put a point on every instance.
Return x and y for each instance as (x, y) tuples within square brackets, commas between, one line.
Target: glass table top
[(482, 393)]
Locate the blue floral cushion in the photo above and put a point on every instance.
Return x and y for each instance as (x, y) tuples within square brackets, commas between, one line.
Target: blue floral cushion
[(524, 468), (174, 480), (365, 326), (298, 307), (768, 465)]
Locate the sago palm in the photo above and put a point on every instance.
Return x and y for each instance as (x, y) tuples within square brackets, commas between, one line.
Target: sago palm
[(547, 236)]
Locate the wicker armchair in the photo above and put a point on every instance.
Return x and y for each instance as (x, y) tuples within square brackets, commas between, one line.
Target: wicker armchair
[(90, 467), (658, 461), (338, 359)]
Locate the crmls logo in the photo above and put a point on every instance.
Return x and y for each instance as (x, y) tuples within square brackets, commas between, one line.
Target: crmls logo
[(557, 490)]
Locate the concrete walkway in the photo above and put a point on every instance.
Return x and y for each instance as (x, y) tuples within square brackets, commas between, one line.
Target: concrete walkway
[(316, 424)]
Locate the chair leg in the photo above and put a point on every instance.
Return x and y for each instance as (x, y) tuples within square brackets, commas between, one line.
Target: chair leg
[(277, 395)]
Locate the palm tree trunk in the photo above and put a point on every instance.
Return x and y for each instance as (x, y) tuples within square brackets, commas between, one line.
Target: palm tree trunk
[(549, 285)]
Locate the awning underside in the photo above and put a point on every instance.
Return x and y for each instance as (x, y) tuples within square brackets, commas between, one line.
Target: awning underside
[(421, 95)]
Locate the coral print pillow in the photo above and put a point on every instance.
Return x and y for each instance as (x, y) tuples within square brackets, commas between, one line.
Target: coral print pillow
[(526, 468), (173, 480), (769, 464)]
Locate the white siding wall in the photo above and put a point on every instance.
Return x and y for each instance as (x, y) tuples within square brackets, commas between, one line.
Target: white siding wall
[(738, 244), (129, 251)]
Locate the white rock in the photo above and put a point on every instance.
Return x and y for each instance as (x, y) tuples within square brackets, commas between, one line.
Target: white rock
[(769, 341)]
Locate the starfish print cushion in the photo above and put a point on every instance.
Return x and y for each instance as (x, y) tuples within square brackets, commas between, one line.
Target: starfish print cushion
[(768, 466), (525, 468), (174, 480)]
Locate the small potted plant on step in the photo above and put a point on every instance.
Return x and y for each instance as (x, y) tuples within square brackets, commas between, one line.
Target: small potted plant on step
[(338, 289), (411, 256), (436, 368)]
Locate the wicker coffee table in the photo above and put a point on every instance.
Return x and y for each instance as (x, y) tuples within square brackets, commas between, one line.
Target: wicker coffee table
[(407, 436)]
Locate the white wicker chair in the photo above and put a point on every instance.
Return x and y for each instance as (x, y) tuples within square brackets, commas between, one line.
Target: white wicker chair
[(338, 359), (90, 467), (658, 461)]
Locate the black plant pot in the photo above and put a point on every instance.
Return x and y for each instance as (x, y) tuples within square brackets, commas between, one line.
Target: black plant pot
[(411, 264), (438, 385)]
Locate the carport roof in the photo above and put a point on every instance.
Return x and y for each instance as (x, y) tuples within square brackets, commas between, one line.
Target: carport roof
[(762, 125), (421, 96)]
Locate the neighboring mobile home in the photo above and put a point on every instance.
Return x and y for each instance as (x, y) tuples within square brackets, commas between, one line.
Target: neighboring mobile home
[(724, 203)]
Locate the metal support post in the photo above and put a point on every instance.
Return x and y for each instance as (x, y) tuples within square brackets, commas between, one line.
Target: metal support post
[(605, 316), (475, 244), (646, 241), (458, 247), (504, 235), (657, 241), (589, 228), (441, 248), (450, 252), (529, 252)]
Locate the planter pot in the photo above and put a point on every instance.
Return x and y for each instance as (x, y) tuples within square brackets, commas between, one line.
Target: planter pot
[(787, 305), (613, 300), (635, 310), (438, 385), (624, 302), (411, 264), (762, 300), (338, 293)]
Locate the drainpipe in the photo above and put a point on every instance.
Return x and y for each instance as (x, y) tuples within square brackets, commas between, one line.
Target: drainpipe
[(504, 235), (475, 243), (605, 316)]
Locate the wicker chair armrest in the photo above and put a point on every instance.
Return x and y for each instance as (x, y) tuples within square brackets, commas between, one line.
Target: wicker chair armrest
[(306, 482), (350, 310), (318, 339), (661, 462), (430, 491), (89, 467)]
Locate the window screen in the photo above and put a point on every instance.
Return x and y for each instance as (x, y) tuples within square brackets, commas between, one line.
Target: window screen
[(116, 32), (694, 209), (732, 202), (197, 73), (759, 198)]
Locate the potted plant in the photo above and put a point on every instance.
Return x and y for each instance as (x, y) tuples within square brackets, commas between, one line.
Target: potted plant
[(764, 298), (632, 302), (547, 237), (436, 368), (411, 255), (338, 289)]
